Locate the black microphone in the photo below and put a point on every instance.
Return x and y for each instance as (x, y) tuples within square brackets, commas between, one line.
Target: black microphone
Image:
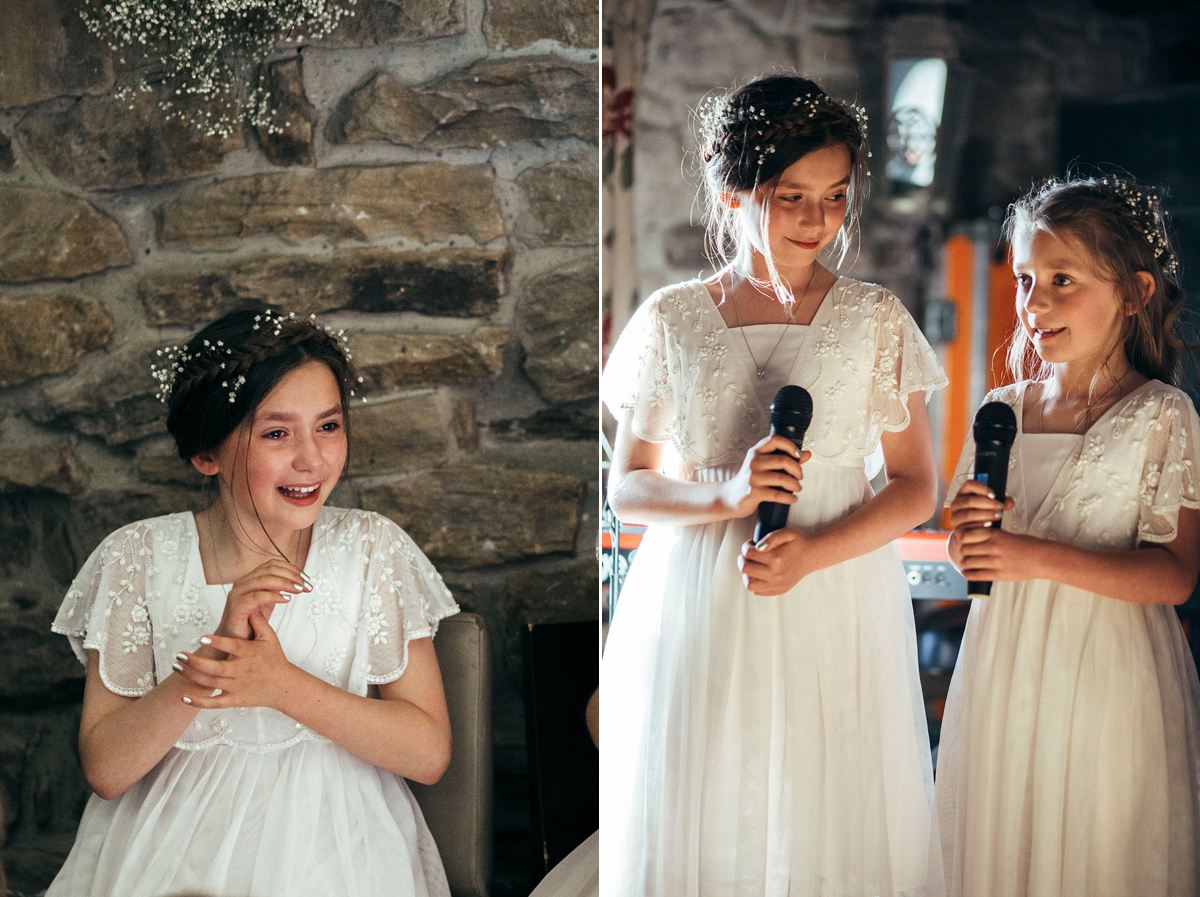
[(995, 429), (791, 413)]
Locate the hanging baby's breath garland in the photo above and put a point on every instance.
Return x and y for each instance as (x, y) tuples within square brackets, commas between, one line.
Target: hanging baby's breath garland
[(211, 49)]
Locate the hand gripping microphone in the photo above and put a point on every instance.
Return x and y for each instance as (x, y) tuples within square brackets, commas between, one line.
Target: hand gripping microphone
[(791, 413), (995, 429)]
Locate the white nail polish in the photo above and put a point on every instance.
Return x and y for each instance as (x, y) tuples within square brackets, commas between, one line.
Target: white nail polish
[(177, 667), (205, 640), (216, 693), (186, 699)]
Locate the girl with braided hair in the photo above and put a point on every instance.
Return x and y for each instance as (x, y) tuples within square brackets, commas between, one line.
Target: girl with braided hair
[(771, 737), (260, 675), (1069, 760)]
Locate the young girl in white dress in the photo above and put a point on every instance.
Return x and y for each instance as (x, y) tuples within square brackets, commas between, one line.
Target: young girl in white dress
[(261, 675), (1070, 752), (765, 732)]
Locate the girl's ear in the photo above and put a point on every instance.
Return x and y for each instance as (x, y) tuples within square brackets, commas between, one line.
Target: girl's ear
[(206, 463), (1145, 285)]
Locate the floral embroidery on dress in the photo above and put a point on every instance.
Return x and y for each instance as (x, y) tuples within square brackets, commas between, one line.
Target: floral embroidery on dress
[(864, 350), (141, 597)]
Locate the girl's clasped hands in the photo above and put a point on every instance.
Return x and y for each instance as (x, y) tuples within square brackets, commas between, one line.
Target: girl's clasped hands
[(243, 664)]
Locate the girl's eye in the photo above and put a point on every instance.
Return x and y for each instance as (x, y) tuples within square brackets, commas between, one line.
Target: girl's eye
[(1023, 280), (1061, 280), (838, 197), (790, 199), (273, 434), (331, 426)]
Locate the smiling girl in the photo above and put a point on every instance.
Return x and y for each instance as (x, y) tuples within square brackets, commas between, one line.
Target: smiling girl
[(1070, 751), (261, 675), (770, 737)]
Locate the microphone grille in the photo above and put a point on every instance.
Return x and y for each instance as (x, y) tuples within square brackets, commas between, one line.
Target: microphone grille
[(792, 406), (995, 421)]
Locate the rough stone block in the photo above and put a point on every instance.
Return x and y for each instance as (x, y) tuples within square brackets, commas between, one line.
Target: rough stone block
[(493, 103), (292, 142), (480, 516), (108, 143), (48, 334), (46, 51), (457, 283), (563, 201), (388, 360), (118, 401), (576, 424), (36, 665), (517, 23), (407, 433), (377, 22), (48, 235), (425, 201), (561, 331), (52, 467)]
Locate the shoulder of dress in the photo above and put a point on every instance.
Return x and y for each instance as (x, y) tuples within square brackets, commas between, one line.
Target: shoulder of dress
[(1008, 393), (679, 298), (166, 526), (355, 523)]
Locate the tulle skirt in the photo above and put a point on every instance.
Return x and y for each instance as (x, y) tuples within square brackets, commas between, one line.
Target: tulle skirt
[(310, 819), (766, 746), (1069, 761)]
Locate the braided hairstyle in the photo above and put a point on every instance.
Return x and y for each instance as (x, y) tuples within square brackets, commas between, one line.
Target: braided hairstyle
[(748, 138), (228, 368), (1121, 226)]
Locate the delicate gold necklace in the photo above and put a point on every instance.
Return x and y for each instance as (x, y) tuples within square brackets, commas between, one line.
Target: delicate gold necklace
[(1086, 413), (761, 369)]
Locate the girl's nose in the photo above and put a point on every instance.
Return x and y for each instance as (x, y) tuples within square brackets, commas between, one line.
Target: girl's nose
[(1036, 298), (308, 455)]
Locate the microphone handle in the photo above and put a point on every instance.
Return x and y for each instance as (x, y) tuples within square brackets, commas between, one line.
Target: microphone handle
[(991, 469), (771, 514)]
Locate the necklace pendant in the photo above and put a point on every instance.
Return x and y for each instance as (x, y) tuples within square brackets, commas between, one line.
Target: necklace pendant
[(761, 373)]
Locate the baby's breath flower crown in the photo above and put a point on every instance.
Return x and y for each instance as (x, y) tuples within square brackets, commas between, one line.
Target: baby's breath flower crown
[(208, 48), (734, 122), (210, 361)]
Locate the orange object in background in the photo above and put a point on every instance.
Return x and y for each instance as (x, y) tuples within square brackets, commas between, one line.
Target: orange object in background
[(979, 285)]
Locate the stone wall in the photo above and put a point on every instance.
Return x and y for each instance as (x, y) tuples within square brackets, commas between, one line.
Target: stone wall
[(434, 194)]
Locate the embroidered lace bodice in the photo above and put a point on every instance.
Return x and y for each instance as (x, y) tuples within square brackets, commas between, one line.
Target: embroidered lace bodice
[(1125, 479), (689, 378), (142, 597)]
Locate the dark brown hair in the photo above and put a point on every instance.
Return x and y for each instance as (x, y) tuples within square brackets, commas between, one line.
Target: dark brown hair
[(243, 356), (748, 138)]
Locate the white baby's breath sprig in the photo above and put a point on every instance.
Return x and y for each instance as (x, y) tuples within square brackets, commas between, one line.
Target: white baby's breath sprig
[(215, 356), (212, 49)]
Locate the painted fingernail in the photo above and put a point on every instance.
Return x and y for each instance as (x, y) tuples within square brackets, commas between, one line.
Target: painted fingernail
[(999, 514), (186, 699), (181, 657), (216, 693), (177, 667), (991, 495), (299, 586), (205, 640)]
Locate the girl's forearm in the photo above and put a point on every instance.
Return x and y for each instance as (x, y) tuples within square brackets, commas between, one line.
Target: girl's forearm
[(121, 739), (904, 503), (647, 496), (1144, 575), (395, 735)]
